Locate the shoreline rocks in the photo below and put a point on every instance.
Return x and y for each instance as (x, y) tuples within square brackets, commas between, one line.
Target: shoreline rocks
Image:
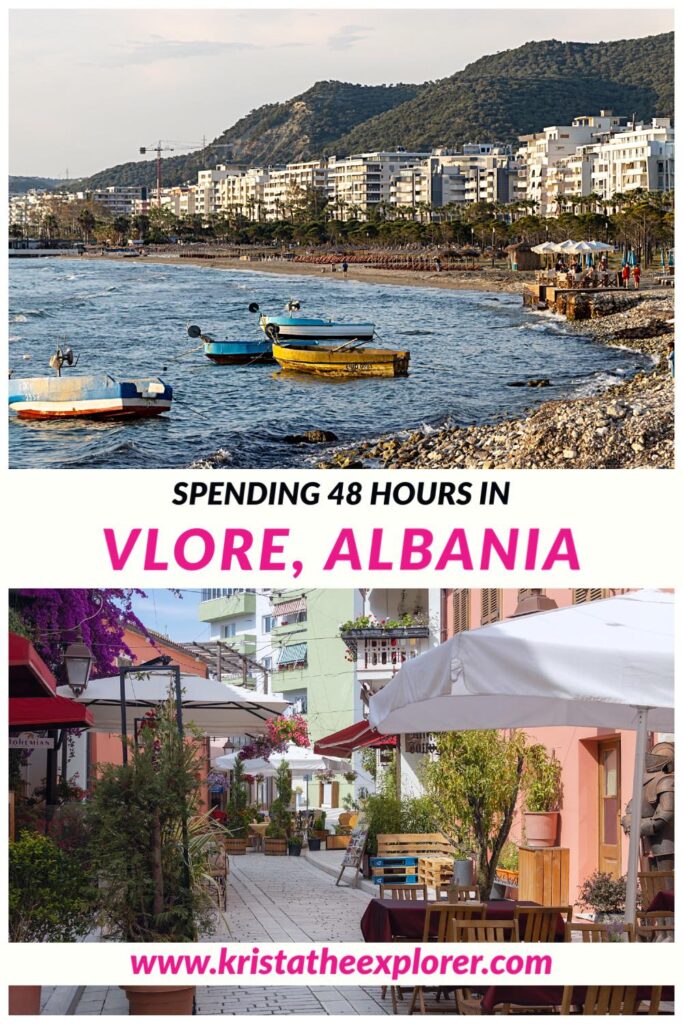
[(628, 425)]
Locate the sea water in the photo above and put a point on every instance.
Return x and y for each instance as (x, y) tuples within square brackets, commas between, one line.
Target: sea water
[(130, 319)]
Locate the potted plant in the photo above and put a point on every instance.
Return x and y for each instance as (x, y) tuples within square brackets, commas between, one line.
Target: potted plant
[(340, 840), (238, 814), (542, 793), (294, 844), (151, 851), (604, 897), (52, 898), (279, 829), (319, 831)]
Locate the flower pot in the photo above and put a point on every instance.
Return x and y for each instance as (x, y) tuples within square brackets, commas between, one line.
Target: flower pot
[(274, 847), (24, 1000), (294, 849), (337, 842), (162, 1000), (236, 846), (540, 828), (463, 872), (313, 844)]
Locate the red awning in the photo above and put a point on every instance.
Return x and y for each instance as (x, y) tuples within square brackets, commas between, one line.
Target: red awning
[(48, 713), (29, 676), (344, 742), (290, 607)]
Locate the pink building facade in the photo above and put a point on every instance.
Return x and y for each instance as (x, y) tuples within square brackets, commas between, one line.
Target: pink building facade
[(597, 764)]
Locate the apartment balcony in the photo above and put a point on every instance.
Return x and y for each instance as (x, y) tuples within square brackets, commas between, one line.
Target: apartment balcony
[(374, 648), (225, 607)]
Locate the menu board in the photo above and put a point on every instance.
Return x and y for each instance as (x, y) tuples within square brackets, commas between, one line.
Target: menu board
[(353, 855)]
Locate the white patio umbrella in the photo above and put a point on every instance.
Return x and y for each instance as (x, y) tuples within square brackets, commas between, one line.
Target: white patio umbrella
[(603, 664), (544, 247), (216, 709), (301, 761), (567, 246), (601, 246)]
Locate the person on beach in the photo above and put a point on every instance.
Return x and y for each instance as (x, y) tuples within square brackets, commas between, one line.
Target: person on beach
[(625, 275), (437, 265), (670, 357), (636, 276), (345, 268)]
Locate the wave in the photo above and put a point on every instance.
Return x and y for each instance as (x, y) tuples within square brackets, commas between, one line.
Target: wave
[(22, 318), (14, 337)]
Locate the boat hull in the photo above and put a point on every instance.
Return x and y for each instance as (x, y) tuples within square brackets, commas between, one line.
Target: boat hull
[(326, 361), (239, 353), (103, 397), (299, 328)]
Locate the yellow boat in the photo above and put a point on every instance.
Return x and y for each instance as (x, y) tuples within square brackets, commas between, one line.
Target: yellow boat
[(342, 360)]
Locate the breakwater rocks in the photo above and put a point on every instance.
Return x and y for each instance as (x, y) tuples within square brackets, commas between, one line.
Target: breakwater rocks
[(590, 305), (629, 425)]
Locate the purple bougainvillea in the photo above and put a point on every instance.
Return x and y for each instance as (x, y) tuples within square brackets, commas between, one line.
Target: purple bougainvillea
[(99, 618)]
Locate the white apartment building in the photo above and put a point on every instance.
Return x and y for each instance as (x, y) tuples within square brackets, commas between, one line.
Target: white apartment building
[(117, 200), (286, 187), (243, 193), (641, 156), (358, 184), (181, 200), (638, 156), (544, 150), (208, 191)]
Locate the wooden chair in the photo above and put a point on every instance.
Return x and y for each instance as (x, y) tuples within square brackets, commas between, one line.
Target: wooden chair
[(467, 1000), (653, 882), (611, 1000), (589, 931), (462, 893), (539, 924), (654, 926), (445, 915), (409, 893)]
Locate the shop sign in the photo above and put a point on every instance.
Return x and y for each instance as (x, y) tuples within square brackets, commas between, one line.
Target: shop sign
[(29, 741), (419, 743)]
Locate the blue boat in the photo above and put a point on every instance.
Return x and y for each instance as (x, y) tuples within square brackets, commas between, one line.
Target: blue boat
[(235, 353), (292, 326), (99, 396)]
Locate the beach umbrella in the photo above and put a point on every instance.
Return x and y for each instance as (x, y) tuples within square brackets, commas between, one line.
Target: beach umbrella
[(601, 246), (544, 247), (671, 257), (566, 247), (215, 709), (605, 664)]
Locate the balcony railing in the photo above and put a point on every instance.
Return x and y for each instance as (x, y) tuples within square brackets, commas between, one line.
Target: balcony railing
[(375, 648)]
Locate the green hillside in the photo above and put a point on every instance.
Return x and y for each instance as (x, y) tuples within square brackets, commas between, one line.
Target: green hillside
[(19, 184), (278, 133), (517, 91)]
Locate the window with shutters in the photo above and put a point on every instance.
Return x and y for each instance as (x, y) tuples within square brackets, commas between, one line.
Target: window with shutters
[(583, 595), (490, 605), (461, 610), (528, 592)]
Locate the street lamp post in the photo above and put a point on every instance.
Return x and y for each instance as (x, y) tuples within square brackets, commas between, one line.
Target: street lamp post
[(493, 247)]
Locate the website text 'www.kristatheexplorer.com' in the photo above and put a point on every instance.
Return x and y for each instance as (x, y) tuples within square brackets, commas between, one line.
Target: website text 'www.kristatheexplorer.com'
[(323, 963)]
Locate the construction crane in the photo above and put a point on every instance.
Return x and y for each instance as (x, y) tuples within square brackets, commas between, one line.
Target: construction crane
[(164, 146)]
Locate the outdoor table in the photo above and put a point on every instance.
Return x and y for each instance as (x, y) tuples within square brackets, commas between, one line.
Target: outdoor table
[(383, 919), (259, 829), (664, 900), (549, 995)]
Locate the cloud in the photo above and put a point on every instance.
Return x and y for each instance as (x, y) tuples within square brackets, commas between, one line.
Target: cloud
[(156, 48), (347, 36)]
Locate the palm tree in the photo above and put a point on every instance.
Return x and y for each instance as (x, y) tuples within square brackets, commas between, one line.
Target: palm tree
[(86, 221)]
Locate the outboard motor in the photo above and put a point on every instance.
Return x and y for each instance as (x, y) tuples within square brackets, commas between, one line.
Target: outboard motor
[(62, 357), (293, 306)]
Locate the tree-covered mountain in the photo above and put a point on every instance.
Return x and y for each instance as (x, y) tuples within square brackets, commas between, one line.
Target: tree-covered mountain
[(278, 133), (18, 184), (508, 94), (496, 98)]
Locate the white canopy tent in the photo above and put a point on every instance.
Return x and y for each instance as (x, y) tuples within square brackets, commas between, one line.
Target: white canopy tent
[(216, 709), (602, 664), (301, 761), (572, 248)]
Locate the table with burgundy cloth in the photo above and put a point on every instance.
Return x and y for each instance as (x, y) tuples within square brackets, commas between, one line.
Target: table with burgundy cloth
[(549, 995), (664, 900), (383, 919)]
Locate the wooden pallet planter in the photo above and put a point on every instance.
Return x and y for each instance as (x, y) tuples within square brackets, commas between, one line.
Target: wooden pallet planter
[(428, 844), (235, 846), (400, 870), (274, 847), (337, 842), (544, 875), (394, 879), (435, 871)]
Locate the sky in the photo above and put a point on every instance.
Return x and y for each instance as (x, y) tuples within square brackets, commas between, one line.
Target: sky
[(89, 87), (175, 617)]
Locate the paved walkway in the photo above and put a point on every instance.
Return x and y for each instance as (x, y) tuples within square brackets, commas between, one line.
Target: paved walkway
[(270, 899), (287, 899)]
